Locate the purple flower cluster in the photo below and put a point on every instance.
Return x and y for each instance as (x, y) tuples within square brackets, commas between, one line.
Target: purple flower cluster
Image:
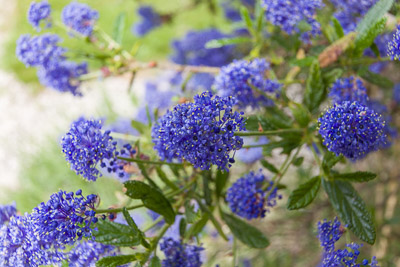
[(191, 49), (329, 233), (350, 12), (180, 255), (65, 218), (246, 81), (38, 12), (150, 19), (87, 253), (86, 145), (80, 18), (247, 198), (288, 14), (6, 212), (352, 129), (348, 89), (394, 45), (201, 132), (42, 50)]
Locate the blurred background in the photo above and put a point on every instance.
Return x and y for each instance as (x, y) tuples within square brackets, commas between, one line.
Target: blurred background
[(33, 118)]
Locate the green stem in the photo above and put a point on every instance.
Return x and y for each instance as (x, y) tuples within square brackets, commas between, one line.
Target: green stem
[(112, 42), (118, 209), (252, 146), (266, 133), (150, 162), (159, 219), (187, 186)]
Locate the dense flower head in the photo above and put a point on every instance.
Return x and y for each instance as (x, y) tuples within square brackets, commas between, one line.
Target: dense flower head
[(348, 89), (38, 12), (352, 129), (20, 245), (63, 76), (394, 45), (201, 132), (86, 146), (79, 17), (42, 50), (180, 255), (6, 212), (246, 196), (150, 19), (252, 154), (350, 12), (288, 14), (120, 167), (87, 253), (329, 232), (190, 50), (242, 79), (65, 218)]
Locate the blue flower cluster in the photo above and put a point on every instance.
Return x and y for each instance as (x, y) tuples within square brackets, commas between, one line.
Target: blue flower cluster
[(80, 18), (288, 14), (352, 129), (180, 255), (246, 196), (246, 81), (42, 50), (394, 45), (150, 20), (201, 132), (6, 212), (329, 233), (38, 12), (86, 145), (348, 89), (191, 49), (87, 253), (65, 217), (350, 12)]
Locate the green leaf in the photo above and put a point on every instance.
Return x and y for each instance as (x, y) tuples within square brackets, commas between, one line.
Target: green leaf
[(373, 16), (300, 113), (244, 12), (217, 43), (355, 176), (304, 62), (206, 187), (196, 228), (221, 179), (298, 161), (191, 215), (364, 41), (140, 127), (182, 227), (119, 27), (338, 28), (116, 234), (113, 261), (304, 194), (331, 76), (245, 232), (165, 179), (129, 220), (152, 199), (269, 166), (375, 78), (351, 209), (155, 262), (330, 159), (315, 89), (143, 170)]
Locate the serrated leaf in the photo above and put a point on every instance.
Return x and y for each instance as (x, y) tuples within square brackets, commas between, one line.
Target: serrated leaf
[(300, 113), (330, 159), (217, 43), (367, 39), (355, 176), (196, 228), (351, 209), (245, 232), (129, 220), (113, 261), (375, 78), (373, 16), (331, 76), (155, 262), (269, 166), (221, 179), (182, 227), (304, 194), (116, 234), (315, 89), (119, 27), (152, 199), (190, 214)]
